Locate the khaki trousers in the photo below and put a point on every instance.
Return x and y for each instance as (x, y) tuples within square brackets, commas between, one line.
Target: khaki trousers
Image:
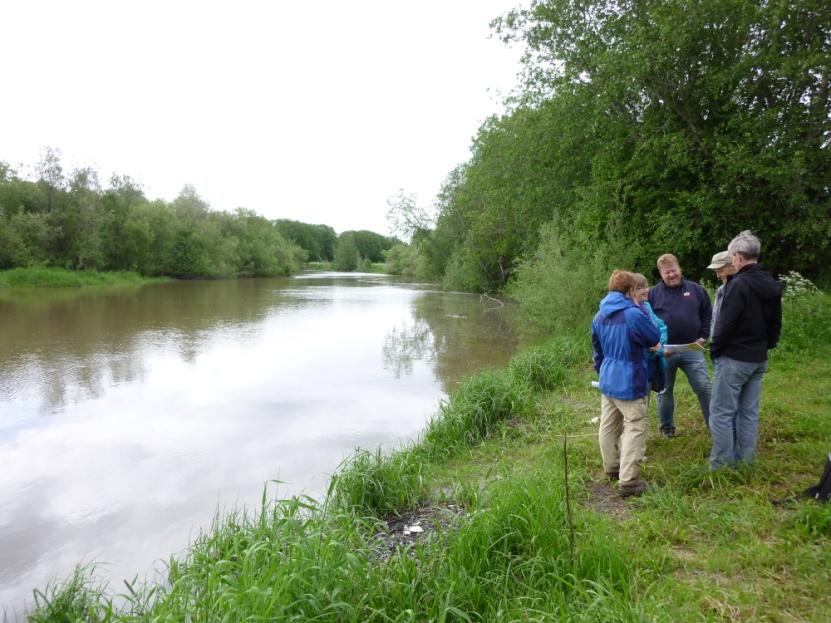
[(623, 425)]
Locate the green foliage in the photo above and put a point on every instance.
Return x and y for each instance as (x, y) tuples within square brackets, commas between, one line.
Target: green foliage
[(811, 522), (317, 240), (642, 128), (77, 599), (370, 245), (540, 367), (463, 272), (806, 322), (477, 409), (359, 250), (401, 259), (405, 217), (42, 277), (797, 286), (74, 224), (346, 252), (562, 283), (372, 483)]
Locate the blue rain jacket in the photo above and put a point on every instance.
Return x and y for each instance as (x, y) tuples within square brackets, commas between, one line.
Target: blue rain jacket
[(621, 336)]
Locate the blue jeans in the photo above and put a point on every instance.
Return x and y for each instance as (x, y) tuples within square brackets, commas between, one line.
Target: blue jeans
[(695, 367), (734, 410)]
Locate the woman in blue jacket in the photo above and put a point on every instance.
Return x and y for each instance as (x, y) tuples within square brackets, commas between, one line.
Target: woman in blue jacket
[(622, 336)]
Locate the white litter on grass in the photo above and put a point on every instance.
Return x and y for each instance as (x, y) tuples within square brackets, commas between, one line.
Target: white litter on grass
[(595, 419)]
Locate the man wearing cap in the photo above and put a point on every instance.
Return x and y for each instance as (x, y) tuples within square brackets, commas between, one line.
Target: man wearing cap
[(685, 308), (723, 268), (748, 325)]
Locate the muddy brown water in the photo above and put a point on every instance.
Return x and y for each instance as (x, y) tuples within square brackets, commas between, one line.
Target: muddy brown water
[(128, 417)]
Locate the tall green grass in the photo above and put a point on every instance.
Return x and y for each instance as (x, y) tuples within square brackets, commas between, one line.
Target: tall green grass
[(296, 560), (371, 482), (476, 410), (79, 598), (43, 277), (806, 325)]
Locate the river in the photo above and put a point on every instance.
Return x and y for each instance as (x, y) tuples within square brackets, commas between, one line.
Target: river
[(129, 417)]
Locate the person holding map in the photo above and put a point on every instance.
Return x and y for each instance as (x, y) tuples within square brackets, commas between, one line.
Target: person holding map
[(686, 309)]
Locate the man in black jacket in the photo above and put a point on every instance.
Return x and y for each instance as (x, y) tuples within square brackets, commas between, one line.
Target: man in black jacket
[(748, 325)]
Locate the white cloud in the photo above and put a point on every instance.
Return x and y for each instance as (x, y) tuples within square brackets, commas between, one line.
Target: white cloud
[(312, 111)]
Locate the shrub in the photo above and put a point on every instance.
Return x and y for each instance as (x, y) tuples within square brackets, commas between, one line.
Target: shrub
[(797, 286), (806, 323), (562, 283)]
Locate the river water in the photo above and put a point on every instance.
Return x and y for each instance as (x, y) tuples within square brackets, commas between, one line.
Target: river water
[(129, 417)]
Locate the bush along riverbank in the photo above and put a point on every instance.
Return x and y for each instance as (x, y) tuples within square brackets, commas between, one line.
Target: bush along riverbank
[(504, 515), (43, 277)]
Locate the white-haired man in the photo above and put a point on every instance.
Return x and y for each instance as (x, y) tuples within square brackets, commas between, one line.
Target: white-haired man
[(748, 325)]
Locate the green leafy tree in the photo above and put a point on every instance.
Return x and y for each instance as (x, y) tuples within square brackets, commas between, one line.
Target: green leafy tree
[(347, 257), (118, 203), (50, 177), (317, 240), (702, 115), (262, 250), (649, 126), (406, 218), (24, 240), (370, 245)]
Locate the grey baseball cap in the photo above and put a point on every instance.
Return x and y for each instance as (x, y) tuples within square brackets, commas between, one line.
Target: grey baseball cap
[(720, 260)]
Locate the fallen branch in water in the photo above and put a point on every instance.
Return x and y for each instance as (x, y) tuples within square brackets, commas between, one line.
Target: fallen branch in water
[(501, 303)]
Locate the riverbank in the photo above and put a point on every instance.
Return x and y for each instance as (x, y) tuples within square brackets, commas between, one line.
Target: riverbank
[(506, 536), (42, 277), (366, 267)]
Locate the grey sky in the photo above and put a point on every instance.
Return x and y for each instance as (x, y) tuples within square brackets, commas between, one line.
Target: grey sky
[(313, 111)]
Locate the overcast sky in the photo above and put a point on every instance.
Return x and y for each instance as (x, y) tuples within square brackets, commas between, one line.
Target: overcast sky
[(315, 111)]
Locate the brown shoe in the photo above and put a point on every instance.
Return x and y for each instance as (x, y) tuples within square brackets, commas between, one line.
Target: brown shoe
[(613, 476), (633, 487)]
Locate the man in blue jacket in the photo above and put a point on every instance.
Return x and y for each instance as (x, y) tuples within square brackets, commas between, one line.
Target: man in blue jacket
[(748, 325), (622, 336), (685, 308)]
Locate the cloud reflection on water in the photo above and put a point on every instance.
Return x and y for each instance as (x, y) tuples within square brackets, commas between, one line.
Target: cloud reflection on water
[(134, 418)]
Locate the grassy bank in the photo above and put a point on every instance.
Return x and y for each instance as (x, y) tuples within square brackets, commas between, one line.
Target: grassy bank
[(42, 277), (366, 267), (517, 540)]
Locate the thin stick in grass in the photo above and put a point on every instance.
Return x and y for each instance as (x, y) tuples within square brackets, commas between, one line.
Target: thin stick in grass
[(568, 499)]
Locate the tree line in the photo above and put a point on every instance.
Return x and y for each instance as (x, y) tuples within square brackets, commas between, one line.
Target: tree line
[(71, 221), (641, 127)]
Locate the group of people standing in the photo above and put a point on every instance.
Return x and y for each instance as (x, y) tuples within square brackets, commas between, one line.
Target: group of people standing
[(641, 336)]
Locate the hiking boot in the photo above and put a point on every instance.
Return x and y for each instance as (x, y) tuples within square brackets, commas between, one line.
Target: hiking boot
[(667, 431), (613, 476), (633, 487)]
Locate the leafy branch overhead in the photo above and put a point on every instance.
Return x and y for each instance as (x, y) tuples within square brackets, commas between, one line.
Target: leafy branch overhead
[(642, 127)]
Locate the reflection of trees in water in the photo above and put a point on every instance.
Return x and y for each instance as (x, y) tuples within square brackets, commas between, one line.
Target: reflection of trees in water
[(73, 344), (407, 344), (459, 333)]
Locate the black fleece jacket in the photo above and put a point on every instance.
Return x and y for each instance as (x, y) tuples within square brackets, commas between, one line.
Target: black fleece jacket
[(750, 318)]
